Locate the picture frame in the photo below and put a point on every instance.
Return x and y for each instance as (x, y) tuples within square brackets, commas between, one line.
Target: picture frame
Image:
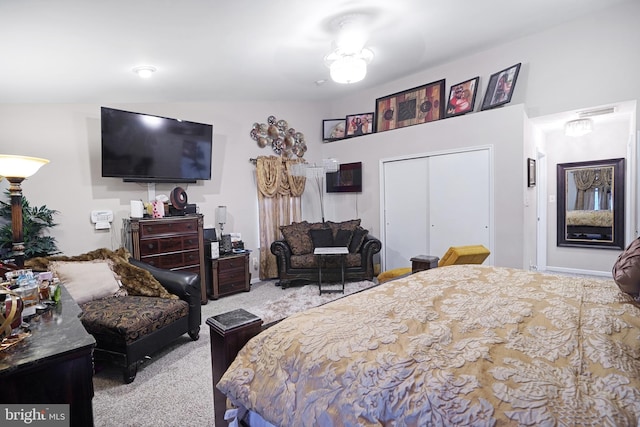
[(462, 97), (333, 129), (359, 124), (531, 172), (410, 107), (500, 88)]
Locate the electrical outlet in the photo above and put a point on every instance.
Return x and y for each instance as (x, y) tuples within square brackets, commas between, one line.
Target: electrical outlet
[(255, 263)]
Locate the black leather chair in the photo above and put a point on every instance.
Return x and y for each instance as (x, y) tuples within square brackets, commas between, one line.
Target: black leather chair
[(129, 329)]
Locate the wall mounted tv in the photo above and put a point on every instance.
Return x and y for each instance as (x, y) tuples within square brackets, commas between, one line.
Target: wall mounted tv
[(348, 179), (144, 148)]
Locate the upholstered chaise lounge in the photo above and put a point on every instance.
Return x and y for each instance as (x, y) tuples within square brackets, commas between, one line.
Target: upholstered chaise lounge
[(296, 261), (153, 308)]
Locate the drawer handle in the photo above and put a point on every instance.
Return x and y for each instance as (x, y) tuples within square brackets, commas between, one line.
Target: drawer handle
[(150, 246), (189, 242)]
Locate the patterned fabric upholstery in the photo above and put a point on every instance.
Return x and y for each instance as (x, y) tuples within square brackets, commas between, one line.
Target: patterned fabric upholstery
[(311, 261), (126, 319)]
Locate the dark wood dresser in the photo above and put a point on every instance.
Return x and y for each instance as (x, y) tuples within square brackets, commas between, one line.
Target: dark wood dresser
[(54, 365), (174, 243)]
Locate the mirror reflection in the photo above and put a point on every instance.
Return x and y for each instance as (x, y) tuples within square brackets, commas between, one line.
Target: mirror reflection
[(591, 204)]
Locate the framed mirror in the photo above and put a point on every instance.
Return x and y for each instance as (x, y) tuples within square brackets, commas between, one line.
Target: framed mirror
[(591, 204)]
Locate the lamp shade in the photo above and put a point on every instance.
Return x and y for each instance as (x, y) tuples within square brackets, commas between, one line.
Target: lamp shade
[(221, 214), (20, 166)]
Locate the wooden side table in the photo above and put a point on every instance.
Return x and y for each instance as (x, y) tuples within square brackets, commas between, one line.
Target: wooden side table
[(423, 262), (229, 275)]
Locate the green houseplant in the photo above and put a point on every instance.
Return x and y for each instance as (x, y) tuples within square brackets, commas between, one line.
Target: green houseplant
[(35, 221)]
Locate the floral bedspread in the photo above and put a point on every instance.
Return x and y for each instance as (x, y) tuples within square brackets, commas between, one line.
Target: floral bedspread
[(592, 218), (459, 345)]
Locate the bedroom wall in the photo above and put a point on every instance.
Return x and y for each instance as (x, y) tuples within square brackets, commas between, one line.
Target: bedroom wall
[(564, 68), (69, 136)]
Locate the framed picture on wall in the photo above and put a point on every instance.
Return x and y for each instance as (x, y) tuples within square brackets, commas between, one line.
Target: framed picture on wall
[(531, 173), (359, 124), (462, 97), (333, 129), (500, 87), (421, 104)]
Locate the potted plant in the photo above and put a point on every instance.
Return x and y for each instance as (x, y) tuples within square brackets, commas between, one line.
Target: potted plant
[(35, 221)]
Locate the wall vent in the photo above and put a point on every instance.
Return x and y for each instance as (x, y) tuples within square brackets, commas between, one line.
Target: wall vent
[(598, 112)]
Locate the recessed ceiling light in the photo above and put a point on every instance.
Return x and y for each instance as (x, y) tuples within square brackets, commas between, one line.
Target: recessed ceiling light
[(144, 71)]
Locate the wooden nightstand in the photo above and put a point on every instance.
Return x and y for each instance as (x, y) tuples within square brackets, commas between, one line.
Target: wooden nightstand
[(423, 262), (229, 275)]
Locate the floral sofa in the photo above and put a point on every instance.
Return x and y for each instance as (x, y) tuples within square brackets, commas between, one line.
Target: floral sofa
[(297, 263), (132, 309)]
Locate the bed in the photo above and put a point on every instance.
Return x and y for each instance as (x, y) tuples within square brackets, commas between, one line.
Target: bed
[(458, 345), (581, 223)]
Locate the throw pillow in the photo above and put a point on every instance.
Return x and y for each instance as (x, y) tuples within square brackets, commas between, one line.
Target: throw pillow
[(344, 225), (322, 237), (136, 280), (87, 280), (297, 237), (342, 238), (626, 270), (357, 239)]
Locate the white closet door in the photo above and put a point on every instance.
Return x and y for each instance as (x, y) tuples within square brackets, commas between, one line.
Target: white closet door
[(406, 226), (459, 200)]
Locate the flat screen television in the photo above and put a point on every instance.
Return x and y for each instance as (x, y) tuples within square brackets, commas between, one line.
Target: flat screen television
[(348, 179), (144, 148)]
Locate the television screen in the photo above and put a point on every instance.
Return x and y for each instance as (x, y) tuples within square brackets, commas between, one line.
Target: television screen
[(348, 179), (144, 148)]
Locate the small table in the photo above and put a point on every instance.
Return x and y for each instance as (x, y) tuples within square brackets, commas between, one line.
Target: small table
[(322, 253)]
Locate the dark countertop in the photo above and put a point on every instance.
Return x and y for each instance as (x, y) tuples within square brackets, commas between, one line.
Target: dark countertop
[(54, 334)]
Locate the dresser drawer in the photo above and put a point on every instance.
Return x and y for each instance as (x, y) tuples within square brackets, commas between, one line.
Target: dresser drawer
[(173, 260), (233, 287), (234, 262), (168, 244), (159, 228)]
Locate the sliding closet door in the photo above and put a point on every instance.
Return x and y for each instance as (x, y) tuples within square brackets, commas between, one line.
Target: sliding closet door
[(433, 202), (405, 211), (459, 200)]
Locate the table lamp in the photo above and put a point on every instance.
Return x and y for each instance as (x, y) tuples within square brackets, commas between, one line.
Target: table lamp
[(15, 169)]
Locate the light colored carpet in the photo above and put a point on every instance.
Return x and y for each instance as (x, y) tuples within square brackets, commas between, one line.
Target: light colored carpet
[(174, 387)]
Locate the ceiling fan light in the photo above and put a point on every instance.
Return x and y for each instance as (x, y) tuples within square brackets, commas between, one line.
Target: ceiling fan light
[(578, 127), (348, 69), (144, 71)]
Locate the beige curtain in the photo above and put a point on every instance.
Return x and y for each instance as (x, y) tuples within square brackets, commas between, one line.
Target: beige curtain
[(587, 180), (279, 203)]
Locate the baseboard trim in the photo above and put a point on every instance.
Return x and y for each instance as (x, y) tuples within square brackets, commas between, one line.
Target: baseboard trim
[(578, 272)]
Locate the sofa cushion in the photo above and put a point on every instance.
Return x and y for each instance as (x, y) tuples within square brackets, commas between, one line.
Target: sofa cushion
[(321, 238), (311, 261), (87, 280), (126, 319), (357, 239), (297, 237), (342, 238), (344, 225)]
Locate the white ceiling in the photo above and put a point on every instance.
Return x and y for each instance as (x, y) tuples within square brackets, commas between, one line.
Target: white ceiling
[(77, 51)]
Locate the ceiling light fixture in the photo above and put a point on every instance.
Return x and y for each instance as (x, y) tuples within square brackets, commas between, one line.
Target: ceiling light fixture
[(144, 71), (348, 62), (578, 127)]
